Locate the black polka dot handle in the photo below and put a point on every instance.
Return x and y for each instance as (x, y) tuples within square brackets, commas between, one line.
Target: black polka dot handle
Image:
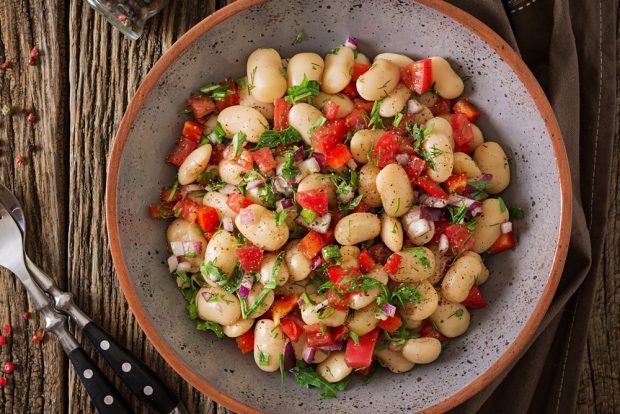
[(106, 398), (143, 382)]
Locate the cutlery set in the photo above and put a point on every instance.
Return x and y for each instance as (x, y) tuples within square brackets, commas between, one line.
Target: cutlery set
[(55, 305)]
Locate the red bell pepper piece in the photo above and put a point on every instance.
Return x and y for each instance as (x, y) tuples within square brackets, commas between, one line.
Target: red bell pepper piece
[(250, 258), (367, 262), (385, 149), (391, 266), (315, 200), (391, 324), (290, 328), (281, 109), (245, 342), (466, 108), (264, 160), (184, 147), (418, 76), (474, 299), (311, 244), (236, 202), (339, 156), (208, 218), (283, 305), (456, 183), (359, 69), (318, 335), (462, 131), (431, 187), (200, 105), (504, 242), (360, 356), (193, 130)]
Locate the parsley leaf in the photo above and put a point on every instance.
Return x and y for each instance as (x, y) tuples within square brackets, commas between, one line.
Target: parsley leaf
[(211, 326), (289, 170), (298, 36), (213, 273), (280, 217), (308, 377), (355, 337), (375, 118), (263, 358), (267, 195), (406, 294), (216, 136), (457, 215), (480, 185), (516, 213), (306, 89), (419, 254), (397, 119), (502, 204), (318, 123), (237, 143), (271, 139)]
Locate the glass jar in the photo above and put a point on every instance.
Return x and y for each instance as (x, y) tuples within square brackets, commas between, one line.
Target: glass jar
[(129, 16)]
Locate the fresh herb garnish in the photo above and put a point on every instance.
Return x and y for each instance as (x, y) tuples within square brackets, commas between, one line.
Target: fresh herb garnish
[(216, 136), (318, 123), (192, 311), (237, 143), (271, 139), (480, 185), (289, 170), (268, 287), (307, 215), (502, 204), (308, 377), (298, 36), (457, 215), (267, 195), (330, 253), (458, 313), (516, 213), (397, 119), (211, 326), (282, 372), (346, 207), (419, 254), (252, 75), (355, 337), (334, 51), (472, 224), (173, 191), (406, 294), (375, 118), (263, 358), (307, 88), (213, 273), (281, 217), (184, 111)]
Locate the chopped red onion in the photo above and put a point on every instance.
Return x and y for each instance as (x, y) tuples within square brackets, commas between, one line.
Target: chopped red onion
[(346, 197), (227, 224), (192, 248), (299, 154), (402, 159), (320, 224), (247, 216), (309, 166), (351, 42), (475, 208), (190, 188), (429, 201), (184, 267), (308, 355), (414, 107), (352, 164), (316, 262), (506, 227), (389, 309), (177, 248), (254, 184), (284, 204), (282, 186), (288, 356), (321, 306), (444, 244), (229, 189), (301, 302), (207, 295), (320, 158), (335, 346), (173, 263), (246, 286), (431, 214), (486, 177), (412, 215), (418, 228), (457, 200)]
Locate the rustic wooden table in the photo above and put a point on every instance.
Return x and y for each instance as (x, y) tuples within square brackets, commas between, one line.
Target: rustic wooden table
[(86, 74)]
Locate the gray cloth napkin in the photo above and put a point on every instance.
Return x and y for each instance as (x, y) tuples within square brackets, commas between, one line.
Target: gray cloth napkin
[(570, 46)]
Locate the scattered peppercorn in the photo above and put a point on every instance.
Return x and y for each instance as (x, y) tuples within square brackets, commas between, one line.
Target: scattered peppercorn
[(7, 329), (31, 117), (38, 336), (9, 367), (3, 382), (34, 54), (2, 340)]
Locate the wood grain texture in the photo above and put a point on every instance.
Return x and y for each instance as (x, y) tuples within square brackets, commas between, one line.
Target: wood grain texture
[(39, 380), (106, 69), (600, 382)]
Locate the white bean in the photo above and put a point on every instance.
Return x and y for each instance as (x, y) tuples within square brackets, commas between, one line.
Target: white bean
[(218, 202), (320, 181), (221, 251), (452, 319), (378, 81), (268, 345), (460, 278), (239, 118), (302, 117), (246, 99), (363, 320), (262, 231), (356, 228), (359, 300), (362, 143), (367, 185), (183, 231), (195, 164), (267, 269), (488, 229), (422, 350), (492, 159), (426, 307), (328, 316), (463, 163), (395, 101), (304, 65), (416, 264), (394, 361), (349, 256), (231, 172), (338, 69), (264, 71), (391, 233), (298, 265), (484, 272), (334, 368), (238, 328), (448, 84), (442, 126), (438, 147), (362, 58), (398, 59), (395, 190), (217, 305), (256, 290), (345, 105)]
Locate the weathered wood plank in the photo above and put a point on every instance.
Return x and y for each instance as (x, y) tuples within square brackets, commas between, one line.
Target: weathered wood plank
[(105, 72), (39, 380)]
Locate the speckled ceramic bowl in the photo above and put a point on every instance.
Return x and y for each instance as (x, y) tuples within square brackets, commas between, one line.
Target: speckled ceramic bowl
[(515, 113)]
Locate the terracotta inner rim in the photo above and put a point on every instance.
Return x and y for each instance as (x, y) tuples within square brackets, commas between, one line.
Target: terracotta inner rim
[(476, 27)]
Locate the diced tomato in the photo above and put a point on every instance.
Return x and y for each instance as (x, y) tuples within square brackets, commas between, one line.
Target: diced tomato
[(184, 147), (504, 242), (281, 109), (350, 90), (367, 262), (363, 372), (245, 159), (462, 131), (391, 266), (431, 187), (339, 156), (208, 218), (414, 167), (217, 153), (200, 105), (264, 159), (466, 108), (315, 200), (162, 210), (318, 335), (193, 130), (391, 324), (250, 258), (245, 342), (311, 244), (188, 209), (330, 110), (456, 183), (338, 274), (283, 305), (360, 356), (441, 106), (325, 138), (440, 228), (460, 238), (360, 208), (229, 100), (340, 332), (336, 301), (328, 236), (236, 202), (401, 129), (363, 104), (427, 330), (418, 76), (359, 69), (467, 148), (385, 149), (356, 120), (291, 329), (168, 196), (474, 299)]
